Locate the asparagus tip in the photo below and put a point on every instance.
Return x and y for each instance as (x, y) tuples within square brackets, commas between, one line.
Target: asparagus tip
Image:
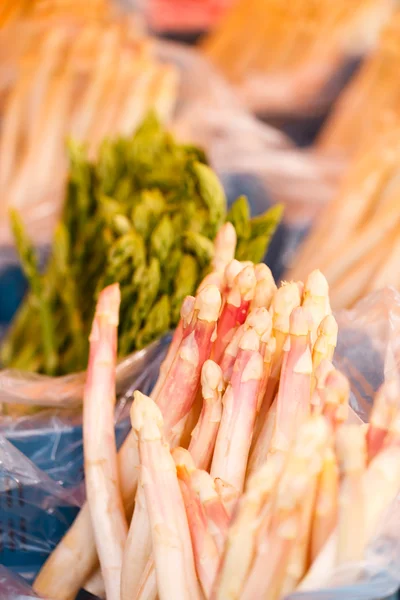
[(250, 341), (146, 417), (337, 388), (183, 459), (208, 303), (329, 328), (286, 298), (317, 284), (246, 281), (263, 272), (203, 485), (231, 271), (108, 304), (260, 320), (298, 322), (211, 379), (187, 309), (322, 371)]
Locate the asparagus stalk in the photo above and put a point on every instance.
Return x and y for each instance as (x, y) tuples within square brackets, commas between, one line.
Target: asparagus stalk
[(235, 309), (242, 535), (326, 504), (303, 464), (30, 268), (101, 469), (188, 362), (293, 400), (187, 311), (205, 550), (351, 449), (173, 555), (240, 406), (217, 515), (203, 438)]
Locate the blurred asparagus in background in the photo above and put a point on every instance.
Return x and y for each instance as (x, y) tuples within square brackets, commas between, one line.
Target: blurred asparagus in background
[(144, 215), (12, 10), (282, 62), (88, 73), (369, 105)]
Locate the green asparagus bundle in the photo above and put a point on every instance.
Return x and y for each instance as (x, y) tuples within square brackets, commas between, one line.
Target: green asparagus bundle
[(144, 215)]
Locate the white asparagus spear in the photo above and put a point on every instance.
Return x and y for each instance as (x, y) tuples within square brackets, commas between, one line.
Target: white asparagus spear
[(100, 453), (205, 549), (293, 400), (240, 406), (316, 300), (202, 443), (351, 449), (242, 534), (172, 549), (382, 474)]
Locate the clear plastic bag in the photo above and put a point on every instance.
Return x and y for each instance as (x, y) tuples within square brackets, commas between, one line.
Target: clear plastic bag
[(13, 587), (41, 461)]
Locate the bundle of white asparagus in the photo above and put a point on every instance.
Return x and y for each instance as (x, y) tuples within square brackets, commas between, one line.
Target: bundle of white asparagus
[(84, 79), (281, 54), (356, 239), (11, 10), (369, 106), (239, 476)]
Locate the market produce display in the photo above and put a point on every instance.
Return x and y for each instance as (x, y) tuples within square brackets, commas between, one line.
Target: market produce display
[(248, 459), (356, 238), (250, 484), (84, 78), (369, 105), (281, 62), (144, 214)]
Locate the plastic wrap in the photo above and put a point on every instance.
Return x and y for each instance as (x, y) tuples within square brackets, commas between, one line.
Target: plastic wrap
[(41, 469)]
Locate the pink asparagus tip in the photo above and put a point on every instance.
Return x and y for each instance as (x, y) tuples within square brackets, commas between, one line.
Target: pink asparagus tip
[(329, 328), (298, 322), (183, 459), (285, 300), (250, 341), (322, 371), (203, 485), (260, 320), (225, 245), (231, 271), (211, 379), (208, 303), (187, 310), (263, 272), (337, 388), (146, 417), (316, 284), (108, 304), (246, 282)]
